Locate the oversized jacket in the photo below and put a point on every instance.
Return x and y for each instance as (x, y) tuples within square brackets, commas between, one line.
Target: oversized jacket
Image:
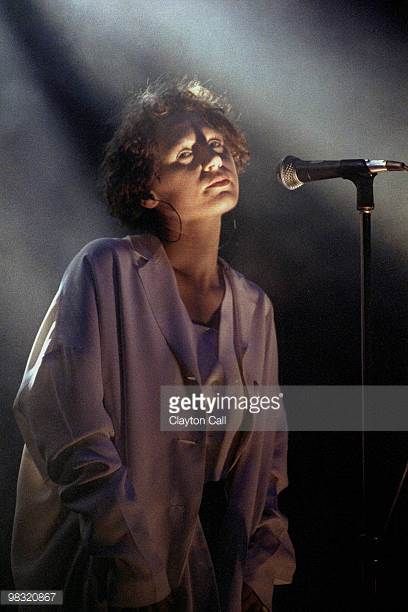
[(102, 492)]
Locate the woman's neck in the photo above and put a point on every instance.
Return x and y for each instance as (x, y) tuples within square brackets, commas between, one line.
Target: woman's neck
[(194, 256)]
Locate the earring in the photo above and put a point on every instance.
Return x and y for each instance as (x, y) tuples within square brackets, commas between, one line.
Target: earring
[(179, 220), (150, 196)]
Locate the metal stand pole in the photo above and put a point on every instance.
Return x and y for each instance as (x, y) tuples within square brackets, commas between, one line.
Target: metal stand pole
[(370, 544)]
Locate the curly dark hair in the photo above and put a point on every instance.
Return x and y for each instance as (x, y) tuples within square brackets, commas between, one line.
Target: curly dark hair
[(130, 157)]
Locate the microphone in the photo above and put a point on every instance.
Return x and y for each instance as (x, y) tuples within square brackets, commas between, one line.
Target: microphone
[(293, 172)]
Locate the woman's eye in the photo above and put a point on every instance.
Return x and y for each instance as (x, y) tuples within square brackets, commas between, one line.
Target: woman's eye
[(216, 144), (185, 154)]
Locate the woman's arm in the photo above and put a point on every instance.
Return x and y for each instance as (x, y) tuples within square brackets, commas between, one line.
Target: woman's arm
[(60, 411)]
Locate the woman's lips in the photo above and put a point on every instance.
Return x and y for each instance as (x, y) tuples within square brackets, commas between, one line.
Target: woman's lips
[(219, 183)]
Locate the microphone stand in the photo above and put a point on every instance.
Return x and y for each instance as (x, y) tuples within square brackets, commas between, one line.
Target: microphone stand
[(369, 544)]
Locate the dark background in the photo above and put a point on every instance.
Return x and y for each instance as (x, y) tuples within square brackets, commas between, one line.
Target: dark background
[(319, 80)]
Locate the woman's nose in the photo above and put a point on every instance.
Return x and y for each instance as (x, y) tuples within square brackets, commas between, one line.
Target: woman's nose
[(213, 163)]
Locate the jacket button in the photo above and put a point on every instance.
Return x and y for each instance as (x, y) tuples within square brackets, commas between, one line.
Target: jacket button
[(190, 379)]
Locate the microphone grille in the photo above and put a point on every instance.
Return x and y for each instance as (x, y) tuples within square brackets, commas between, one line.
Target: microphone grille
[(286, 173)]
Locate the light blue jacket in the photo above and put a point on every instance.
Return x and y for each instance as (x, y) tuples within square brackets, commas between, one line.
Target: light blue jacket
[(98, 479)]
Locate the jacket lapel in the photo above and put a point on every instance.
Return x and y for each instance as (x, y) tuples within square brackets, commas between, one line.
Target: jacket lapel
[(168, 309), (244, 308)]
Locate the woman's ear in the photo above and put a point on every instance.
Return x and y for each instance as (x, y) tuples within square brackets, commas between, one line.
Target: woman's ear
[(149, 200)]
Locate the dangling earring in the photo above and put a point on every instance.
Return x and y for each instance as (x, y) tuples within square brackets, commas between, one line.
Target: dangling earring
[(150, 196), (179, 219)]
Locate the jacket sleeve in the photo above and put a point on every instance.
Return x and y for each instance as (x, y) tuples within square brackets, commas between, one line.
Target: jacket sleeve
[(271, 559), (60, 411)]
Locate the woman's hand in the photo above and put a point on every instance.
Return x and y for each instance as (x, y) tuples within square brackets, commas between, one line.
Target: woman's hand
[(250, 602)]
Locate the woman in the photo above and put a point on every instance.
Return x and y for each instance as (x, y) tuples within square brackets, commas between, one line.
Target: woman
[(110, 508)]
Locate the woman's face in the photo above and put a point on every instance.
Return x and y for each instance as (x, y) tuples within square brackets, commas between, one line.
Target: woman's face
[(195, 170)]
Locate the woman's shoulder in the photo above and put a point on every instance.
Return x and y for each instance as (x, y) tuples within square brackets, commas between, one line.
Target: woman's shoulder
[(101, 247), (100, 251), (98, 259), (139, 245)]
